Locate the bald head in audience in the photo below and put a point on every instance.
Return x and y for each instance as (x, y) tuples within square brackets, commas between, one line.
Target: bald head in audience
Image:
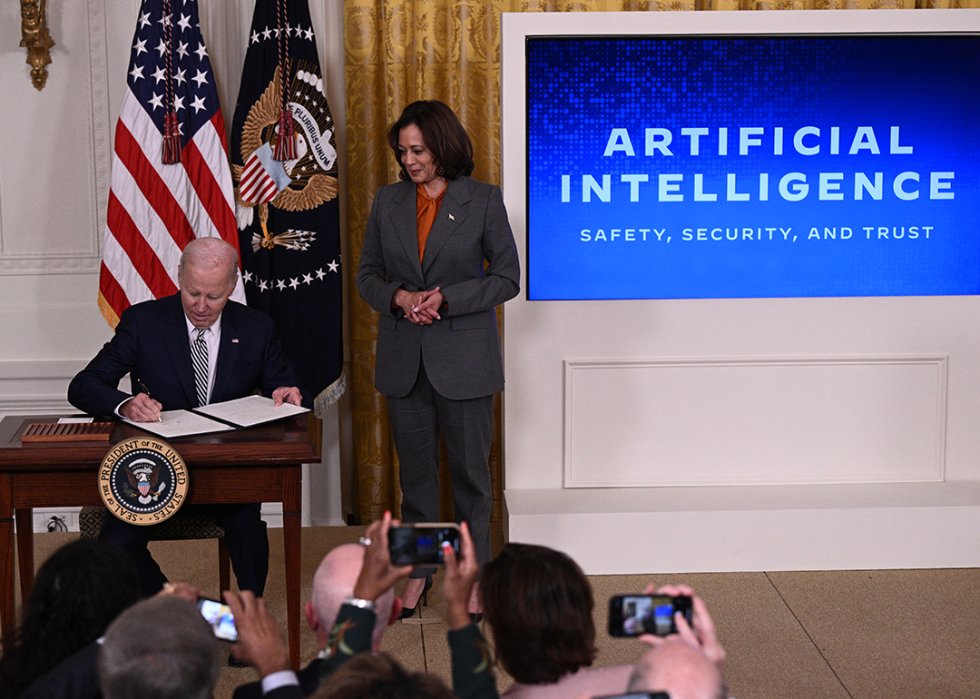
[(680, 670), (333, 583)]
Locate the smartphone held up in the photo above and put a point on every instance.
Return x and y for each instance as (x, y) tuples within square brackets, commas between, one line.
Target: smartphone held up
[(421, 544), (219, 615), (634, 615)]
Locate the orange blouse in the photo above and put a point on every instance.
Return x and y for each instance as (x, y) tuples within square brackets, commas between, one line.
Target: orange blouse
[(426, 208)]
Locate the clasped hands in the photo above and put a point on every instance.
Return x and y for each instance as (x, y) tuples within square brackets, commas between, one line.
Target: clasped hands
[(420, 307)]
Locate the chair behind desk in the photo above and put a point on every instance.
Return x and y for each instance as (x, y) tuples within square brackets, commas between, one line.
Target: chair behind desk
[(180, 527)]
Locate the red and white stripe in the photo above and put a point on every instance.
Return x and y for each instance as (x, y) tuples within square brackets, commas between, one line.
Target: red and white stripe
[(154, 209), (257, 185)]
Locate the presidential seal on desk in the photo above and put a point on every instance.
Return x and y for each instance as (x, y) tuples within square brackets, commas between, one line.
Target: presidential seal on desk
[(143, 481)]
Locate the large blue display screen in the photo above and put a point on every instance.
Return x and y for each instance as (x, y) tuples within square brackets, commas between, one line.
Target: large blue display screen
[(753, 166)]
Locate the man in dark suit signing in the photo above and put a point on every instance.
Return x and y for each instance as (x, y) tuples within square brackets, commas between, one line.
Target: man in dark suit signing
[(181, 352)]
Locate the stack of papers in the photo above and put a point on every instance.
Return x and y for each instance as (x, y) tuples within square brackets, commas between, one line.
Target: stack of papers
[(219, 417)]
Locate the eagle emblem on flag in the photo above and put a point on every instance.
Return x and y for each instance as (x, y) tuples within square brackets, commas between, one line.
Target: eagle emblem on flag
[(284, 165), (299, 183)]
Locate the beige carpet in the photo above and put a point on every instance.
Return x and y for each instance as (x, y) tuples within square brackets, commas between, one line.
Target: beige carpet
[(911, 634)]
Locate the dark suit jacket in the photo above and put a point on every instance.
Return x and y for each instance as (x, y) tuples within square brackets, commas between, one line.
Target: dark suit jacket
[(290, 691), (75, 677), (151, 344), (309, 679), (461, 352)]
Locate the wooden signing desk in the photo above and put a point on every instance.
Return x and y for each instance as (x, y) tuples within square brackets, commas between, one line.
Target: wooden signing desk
[(260, 464)]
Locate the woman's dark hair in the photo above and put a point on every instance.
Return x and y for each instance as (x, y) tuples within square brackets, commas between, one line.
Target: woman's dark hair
[(368, 676), (443, 135), (538, 604), (78, 591)]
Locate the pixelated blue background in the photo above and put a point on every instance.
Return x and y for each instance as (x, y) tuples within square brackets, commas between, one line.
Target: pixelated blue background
[(581, 88)]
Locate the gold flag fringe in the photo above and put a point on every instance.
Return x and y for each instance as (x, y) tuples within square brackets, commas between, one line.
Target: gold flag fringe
[(107, 312)]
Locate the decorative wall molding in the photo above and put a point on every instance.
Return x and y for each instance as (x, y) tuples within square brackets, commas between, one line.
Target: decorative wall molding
[(88, 260), (28, 370), (767, 421), (36, 388), (53, 264), (101, 120)]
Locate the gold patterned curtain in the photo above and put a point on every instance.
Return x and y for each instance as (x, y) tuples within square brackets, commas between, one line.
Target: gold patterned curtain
[(399, 51)]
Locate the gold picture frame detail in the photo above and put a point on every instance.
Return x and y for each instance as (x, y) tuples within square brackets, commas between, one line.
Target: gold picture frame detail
[(36, 39)]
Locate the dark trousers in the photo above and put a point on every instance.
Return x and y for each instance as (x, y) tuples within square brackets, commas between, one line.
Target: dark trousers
[(245, 537), (467, 426)]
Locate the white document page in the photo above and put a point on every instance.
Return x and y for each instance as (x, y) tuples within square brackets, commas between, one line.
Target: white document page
[(180, 423), (250, 410)]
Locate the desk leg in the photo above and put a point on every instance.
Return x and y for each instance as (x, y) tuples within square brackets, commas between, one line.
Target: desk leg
[(24, 517), (7, 611), (293, 541)]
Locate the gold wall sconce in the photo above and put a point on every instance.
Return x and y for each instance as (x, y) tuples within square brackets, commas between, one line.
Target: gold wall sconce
[(37, 40)]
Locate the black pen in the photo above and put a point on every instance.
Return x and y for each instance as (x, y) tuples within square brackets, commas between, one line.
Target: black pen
[(147, 392)]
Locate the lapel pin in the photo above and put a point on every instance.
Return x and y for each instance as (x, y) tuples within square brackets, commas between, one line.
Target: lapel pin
[(235, 341), (451, 218)]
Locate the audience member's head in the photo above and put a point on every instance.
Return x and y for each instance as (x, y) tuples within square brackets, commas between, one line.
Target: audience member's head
[(160, 648), (333, 582), (680, 670), (380, 676), (538, 604), (77, 592)]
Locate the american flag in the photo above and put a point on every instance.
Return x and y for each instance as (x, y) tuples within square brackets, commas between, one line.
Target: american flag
[(154, 208)]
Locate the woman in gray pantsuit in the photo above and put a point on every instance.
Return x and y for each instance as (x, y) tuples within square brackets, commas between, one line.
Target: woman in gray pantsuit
[(438, 256)]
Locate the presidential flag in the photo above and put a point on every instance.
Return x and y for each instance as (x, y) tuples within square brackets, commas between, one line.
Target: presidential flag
[(284, 162), (171, 180)]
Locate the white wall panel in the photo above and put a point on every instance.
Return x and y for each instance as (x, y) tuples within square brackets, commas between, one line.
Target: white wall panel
[(50, 188), (752, 528), (641, 423)]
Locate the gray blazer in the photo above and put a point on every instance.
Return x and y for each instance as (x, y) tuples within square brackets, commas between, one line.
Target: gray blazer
[(461, 351)]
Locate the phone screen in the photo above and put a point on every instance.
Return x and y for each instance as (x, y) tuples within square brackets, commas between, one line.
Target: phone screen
[(220, 617), (421, 543), (633, 615)]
